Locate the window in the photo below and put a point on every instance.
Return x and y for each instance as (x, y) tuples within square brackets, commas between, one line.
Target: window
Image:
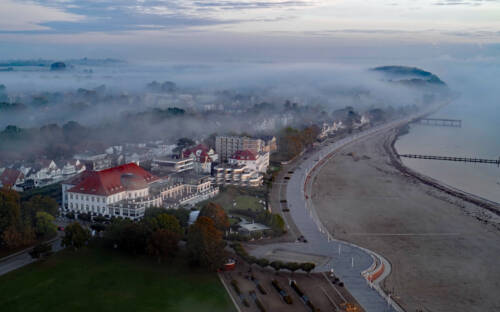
[(71, 196), (93, 198)]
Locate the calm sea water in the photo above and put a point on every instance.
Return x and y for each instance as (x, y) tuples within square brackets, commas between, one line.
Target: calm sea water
[(478, 137)]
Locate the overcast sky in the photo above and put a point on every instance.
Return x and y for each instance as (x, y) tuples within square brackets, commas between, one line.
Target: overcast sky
[(233, 30)]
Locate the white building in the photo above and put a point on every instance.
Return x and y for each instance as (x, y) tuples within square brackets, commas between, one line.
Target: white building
[(254, 161), (203, 158), (127, 191)]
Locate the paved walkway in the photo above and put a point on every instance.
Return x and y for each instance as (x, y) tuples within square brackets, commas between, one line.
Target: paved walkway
[(347, 260)]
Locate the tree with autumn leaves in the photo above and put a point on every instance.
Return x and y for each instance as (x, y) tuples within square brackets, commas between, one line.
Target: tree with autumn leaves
[(218, 215), (205, 244), (292, 142)]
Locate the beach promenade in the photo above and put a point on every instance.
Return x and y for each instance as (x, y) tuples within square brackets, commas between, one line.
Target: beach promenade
[(348, 261)]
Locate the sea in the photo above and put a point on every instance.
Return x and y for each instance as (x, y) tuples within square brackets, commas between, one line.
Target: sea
[(478, 138)]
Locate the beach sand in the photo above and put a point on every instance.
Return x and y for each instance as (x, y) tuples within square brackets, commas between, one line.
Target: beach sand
[(445, 252)]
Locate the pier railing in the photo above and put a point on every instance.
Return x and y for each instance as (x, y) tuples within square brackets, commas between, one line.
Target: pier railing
[(460, 159), (441, 122)]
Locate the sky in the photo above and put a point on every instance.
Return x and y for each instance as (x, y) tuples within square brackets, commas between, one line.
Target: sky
[(235, 30)]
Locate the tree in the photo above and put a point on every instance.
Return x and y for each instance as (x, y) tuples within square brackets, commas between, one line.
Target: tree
[(183, 143), (181, 214), (75, 236), (12, 237), (10, 210), (163, 244), (262, 262), (40, 203), (205, 245), (277, 265), (292, 266), (132, 237), (215, 212), (41, 251), (44, 225), (169, 223), (307, 267)]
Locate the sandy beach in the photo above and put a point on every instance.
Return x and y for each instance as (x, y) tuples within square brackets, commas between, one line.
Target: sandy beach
[(444, 250)]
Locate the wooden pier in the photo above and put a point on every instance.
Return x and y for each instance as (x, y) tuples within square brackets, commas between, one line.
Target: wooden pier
[(461, 159), (441, 122)]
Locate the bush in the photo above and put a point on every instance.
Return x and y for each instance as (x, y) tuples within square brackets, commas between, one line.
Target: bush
[(245, 303), (276, 285), (262, 262), (259, 305), (234, 283), (295, 287), (288, 299), (261, 289)]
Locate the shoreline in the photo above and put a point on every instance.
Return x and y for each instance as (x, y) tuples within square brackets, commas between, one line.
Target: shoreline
[(474, 199), (365, 196)]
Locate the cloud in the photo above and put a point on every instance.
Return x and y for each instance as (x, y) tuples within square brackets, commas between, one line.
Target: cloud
[(465, 2), (28, 16), (126, 15)]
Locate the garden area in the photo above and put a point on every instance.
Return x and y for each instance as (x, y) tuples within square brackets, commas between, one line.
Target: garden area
[(99, 279)]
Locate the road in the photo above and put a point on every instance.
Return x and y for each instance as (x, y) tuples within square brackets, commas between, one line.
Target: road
[(347, 260), (14, 262), (22, 258)]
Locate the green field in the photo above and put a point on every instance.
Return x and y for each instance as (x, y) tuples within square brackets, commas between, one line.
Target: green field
[(96, 279)]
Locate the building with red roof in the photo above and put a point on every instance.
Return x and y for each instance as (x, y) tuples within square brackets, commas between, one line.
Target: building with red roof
[(93, 191), (10, 178), (127, 191), (254, 161), (202, 156)]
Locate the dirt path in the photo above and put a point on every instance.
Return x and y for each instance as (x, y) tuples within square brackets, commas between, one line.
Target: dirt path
[(443, 257)]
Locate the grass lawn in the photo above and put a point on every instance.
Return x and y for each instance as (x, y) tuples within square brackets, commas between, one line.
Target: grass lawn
[(97, 279), (243, 201)]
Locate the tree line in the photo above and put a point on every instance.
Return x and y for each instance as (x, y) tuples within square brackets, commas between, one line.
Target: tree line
[(159, 233), (24, 222)]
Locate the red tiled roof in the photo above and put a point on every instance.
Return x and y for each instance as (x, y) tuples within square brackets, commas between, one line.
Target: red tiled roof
[(187, 152), (202, 156), (9, 177), (244, 155), (110, 181)]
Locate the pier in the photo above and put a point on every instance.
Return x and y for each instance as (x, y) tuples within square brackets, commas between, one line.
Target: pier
[(440, 122), (447, 158)]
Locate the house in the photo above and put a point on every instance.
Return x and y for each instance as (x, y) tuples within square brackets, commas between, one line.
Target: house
[(254, 161), (203, 158), (94, 162), (10, 178), (43, 172)]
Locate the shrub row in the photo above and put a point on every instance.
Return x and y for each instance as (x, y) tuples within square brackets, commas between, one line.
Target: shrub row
[(234, 283), (276, 265), (259, 305), (302, 295), (261, 289), (282, 292)]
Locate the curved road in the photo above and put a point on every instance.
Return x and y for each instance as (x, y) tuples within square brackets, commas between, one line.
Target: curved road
[(347, 260)]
